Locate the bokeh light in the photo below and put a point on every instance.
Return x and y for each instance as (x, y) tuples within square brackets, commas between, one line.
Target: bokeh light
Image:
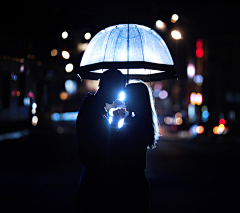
[(191, 70), (65, 54), (34, 120), (163, 94), (54, 52), (160, 25), (198, 79), (158, 86), (64, 34), (199, 129), (174, 18), (63, 96), (69, 67), (81, 47), (70, 86), (87, 36), (176, 34)]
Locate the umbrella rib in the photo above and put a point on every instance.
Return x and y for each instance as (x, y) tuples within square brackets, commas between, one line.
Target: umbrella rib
[(107, 42), (141, 41), (116, 43)]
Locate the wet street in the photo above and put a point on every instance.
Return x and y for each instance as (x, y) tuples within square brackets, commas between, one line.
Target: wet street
[(40, 173)]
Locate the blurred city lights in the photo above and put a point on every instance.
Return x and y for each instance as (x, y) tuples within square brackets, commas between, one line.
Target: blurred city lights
[(222, 121), (21, 68), (91, 85), (163, 94), (199, 53), (174, 127), (65, 54), (34, 120), (196, 98), (176, 34), (26, 101), (178, 114), (87, 36), (199, 98), (199, 48), (55, 116), (178, 121), (63, 96), (191, 70), (205, 116), (64, 34), (221, 129), (158, 86), (160, 25), (69, 67), (191, 113), (70, 86), (82, 47), (168, 120), (199, 129), (54, 52), (156, 93), (31, 94), (174, 18), (198, 79)]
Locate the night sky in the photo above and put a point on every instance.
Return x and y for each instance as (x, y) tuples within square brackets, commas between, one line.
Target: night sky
[(41, 21)]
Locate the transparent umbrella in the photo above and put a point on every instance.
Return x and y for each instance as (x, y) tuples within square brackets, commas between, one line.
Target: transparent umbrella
[(136, 50)]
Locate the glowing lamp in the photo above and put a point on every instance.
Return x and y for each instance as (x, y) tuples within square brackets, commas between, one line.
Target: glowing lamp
[(136, 50)]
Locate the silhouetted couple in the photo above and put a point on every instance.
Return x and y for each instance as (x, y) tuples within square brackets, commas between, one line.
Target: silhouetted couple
[(114, 158)]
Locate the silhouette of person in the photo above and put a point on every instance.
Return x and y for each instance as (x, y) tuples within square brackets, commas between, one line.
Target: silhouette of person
[(128, 150), (93, 138)]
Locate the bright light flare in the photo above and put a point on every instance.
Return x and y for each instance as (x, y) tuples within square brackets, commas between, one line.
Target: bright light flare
[(121, 96), (120, 123), (176, 34)]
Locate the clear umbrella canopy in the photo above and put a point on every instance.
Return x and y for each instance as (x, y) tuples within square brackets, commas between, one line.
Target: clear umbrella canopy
[(136, 50)]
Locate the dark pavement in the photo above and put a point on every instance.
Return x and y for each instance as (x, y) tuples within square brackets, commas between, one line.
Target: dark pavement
[(40, 173)]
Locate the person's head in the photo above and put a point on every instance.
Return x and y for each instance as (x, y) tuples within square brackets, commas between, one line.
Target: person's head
[(112, 82), (139, 100)]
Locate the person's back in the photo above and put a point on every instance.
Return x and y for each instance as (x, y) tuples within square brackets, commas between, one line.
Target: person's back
[(93, 138), (129, 147)]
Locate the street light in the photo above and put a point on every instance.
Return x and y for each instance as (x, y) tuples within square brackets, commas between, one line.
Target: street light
[(176, 34)]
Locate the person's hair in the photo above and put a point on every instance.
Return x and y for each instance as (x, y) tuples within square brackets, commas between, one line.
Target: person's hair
[(110, 78), (142, 99)]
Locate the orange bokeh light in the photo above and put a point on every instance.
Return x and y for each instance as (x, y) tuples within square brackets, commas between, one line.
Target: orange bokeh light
[(200, 129)]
